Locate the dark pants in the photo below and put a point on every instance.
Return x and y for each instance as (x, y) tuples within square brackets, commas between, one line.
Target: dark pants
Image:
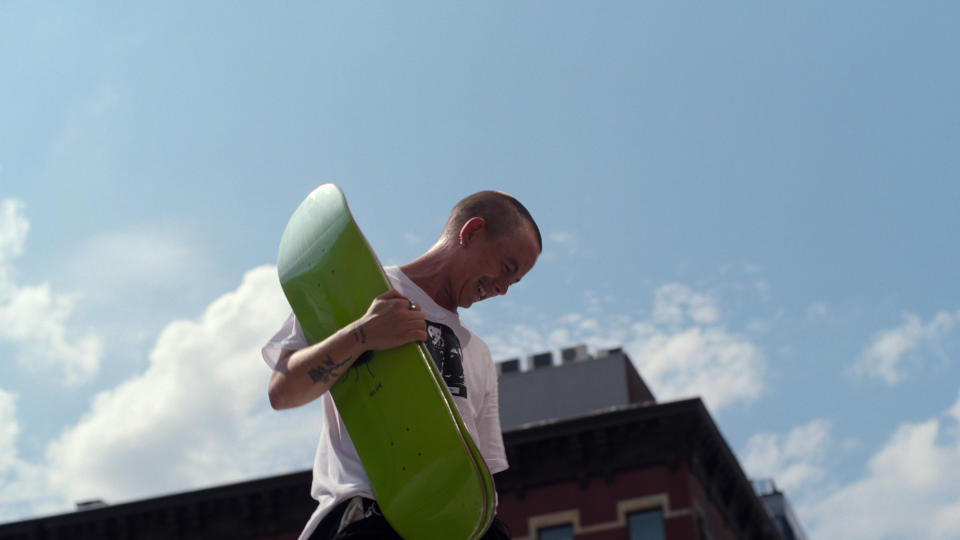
[(372, 525)]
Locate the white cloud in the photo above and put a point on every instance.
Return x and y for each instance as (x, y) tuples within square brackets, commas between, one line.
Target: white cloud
[(910, 487), (955, 411), (708, 362), (558, 245), (681, 351), (559, 335), (518, 341), (13, 229), (413, 238), (117, 271), (23, 490), (794, 460), (36, 319), (885, 355), (197, 416), (589, 325), (817, 311), (9, 431), (13, 235), (763, 290), (141, 255), (677, 304)]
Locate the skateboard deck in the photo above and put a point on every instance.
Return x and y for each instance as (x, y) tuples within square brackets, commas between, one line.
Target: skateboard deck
[(427, 475)]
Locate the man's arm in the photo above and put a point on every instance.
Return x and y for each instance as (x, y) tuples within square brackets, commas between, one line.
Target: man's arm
[(304, 375)]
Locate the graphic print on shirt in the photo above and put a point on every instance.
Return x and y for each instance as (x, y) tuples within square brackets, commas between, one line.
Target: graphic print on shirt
[(445, 349)]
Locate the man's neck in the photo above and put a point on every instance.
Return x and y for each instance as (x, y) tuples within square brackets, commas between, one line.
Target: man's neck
[(430, 272)]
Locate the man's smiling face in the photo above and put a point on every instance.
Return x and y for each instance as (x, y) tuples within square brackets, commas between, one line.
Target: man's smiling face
[(492, 266)]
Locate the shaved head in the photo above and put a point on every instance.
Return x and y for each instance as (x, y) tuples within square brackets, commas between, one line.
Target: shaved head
[(502, 213)]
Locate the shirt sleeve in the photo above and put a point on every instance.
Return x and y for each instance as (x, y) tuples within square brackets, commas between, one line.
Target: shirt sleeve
[(488, 423), (290, 337)]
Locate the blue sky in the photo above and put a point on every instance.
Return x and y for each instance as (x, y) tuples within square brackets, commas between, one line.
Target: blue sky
[(759, 202)]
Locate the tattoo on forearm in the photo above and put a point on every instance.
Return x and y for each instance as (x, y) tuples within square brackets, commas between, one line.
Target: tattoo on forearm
[(328, 370), (359, 335)]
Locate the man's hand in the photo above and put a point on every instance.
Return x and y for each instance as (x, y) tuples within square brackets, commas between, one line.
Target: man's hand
[(392, 320), (303, 376)]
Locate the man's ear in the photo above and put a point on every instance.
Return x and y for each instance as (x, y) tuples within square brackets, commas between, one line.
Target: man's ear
[(470, 229)]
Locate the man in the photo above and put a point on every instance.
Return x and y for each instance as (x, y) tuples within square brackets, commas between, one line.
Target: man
[(488, 243)]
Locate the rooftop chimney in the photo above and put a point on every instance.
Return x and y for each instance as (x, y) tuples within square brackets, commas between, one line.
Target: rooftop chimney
[(542, 360), (509, 366), (577, 353)]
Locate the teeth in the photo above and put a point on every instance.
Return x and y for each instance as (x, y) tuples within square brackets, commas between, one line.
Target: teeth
[(480, 291)]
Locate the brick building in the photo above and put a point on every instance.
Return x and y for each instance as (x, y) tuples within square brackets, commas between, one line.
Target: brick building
[(606, 461)]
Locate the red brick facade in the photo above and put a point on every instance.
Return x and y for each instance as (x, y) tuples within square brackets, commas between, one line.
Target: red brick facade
[(599, 509)]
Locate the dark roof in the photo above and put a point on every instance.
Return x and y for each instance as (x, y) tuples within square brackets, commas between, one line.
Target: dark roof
[(253, 509)]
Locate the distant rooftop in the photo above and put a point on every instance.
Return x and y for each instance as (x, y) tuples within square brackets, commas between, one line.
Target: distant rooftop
[(779, 507), (575, 383)]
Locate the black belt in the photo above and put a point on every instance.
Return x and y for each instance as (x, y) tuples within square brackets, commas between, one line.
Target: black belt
[(343, 514)]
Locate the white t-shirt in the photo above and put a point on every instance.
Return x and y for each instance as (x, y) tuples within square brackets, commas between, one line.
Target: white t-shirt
[(465, 363)]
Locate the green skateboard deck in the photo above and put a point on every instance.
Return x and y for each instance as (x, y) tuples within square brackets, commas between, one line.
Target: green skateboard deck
[(428, 476)]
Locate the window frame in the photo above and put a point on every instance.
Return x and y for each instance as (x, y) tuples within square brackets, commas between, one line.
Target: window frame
[(556, 527), (658, 510)]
